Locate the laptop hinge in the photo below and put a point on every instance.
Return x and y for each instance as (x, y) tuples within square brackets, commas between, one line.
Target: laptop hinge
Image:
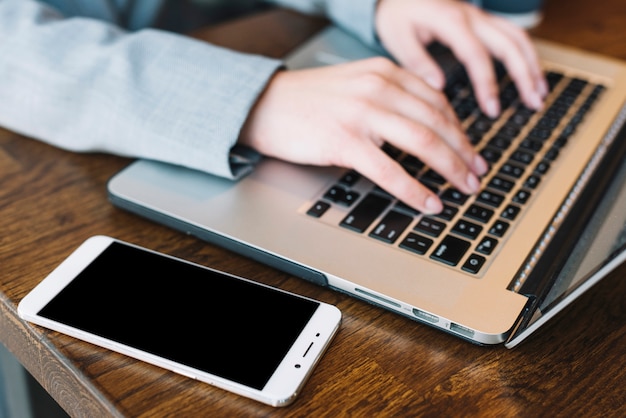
[(564, 236)]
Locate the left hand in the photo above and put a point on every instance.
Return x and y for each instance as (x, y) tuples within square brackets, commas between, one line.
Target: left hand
[(405, 27)]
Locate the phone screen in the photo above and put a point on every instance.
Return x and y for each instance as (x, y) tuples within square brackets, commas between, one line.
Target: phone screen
[(219, 324)]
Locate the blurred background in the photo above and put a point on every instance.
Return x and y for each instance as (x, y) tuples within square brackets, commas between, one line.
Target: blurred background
[(21, 396)]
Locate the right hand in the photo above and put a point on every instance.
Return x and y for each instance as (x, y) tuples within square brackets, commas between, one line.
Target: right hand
[(341, 115)]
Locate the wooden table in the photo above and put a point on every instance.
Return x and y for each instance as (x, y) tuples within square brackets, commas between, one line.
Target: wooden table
[(380, 364)]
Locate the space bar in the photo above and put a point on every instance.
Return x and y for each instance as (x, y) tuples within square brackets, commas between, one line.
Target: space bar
[(365, 212)]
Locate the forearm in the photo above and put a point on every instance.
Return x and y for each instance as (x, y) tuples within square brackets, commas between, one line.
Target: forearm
[(84, 85)]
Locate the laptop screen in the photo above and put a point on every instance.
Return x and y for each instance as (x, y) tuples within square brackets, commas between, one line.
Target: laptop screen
[(602, 240), (601, 248)]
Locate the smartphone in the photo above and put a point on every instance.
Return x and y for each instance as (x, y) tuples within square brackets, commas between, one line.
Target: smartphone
[(230, 332)]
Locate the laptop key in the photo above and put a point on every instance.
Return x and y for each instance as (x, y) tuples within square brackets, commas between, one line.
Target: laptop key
[(391, 226), (561, 141), (479, 213), (450, 250), (542, 167), (521, 116), (531, 145), (340, 195), (512, 170), (500, 183), (430, 226), (403, 207), (491, 155), (521, 196), (552, 154), (500, 142), (473, 263), (490, 198), (482, 124), (487, 245), (532, 181), (509, 130), (350, 178), (416, 243), (448, 213), (467, 229), (499, 228), (411, 163), (318, 209), (465, 107), (433, 177), (454, 196), (522, 157), (540, 134), (510, 212), (363, 214)]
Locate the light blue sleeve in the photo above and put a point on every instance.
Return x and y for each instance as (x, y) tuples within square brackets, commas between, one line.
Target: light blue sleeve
[(356, 16), (85, 85)]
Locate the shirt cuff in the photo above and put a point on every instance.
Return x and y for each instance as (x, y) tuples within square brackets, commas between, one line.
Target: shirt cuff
[(242, 161)]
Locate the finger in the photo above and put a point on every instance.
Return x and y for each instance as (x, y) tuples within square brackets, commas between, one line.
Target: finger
[(374, 164), (399, 101), (506, 45), (520, 73), (392, 75), (529, 52), (413, 56), (424, 143), (434, 100), (471, 52)]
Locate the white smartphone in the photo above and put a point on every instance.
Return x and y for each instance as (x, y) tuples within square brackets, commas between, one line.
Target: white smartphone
[(230, 332)]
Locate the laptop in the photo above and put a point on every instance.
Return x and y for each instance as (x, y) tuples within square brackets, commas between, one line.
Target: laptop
[(492, 268)]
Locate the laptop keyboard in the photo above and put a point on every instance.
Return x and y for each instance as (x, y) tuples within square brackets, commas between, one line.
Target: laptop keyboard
[(520, 147)]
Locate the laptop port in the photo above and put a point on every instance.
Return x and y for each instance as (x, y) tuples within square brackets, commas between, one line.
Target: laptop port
[(461, 330), (426, 316)]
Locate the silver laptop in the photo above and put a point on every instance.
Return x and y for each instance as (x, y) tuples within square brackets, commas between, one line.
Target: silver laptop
[(493, 267)]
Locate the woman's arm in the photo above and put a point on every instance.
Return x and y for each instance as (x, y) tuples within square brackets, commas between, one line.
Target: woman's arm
[(86, 85)]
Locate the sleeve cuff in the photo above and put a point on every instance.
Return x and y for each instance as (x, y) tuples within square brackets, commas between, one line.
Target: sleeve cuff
[(242, 161)]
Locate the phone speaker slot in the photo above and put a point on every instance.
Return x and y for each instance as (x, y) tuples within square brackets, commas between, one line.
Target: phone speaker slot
[(307, 350)]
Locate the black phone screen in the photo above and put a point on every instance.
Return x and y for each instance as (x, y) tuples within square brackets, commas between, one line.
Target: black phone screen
[(222, 325)]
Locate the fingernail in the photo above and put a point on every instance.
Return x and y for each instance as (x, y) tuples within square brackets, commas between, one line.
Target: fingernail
[(536, 101), (480, 165), (433, 205), (493, 108), (472, 183)]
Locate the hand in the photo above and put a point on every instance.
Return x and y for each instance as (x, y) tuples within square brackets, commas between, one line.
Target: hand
[(406, 26), (341, 115)]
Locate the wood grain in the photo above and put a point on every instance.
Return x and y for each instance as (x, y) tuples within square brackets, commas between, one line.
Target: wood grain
[(380, 364)]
